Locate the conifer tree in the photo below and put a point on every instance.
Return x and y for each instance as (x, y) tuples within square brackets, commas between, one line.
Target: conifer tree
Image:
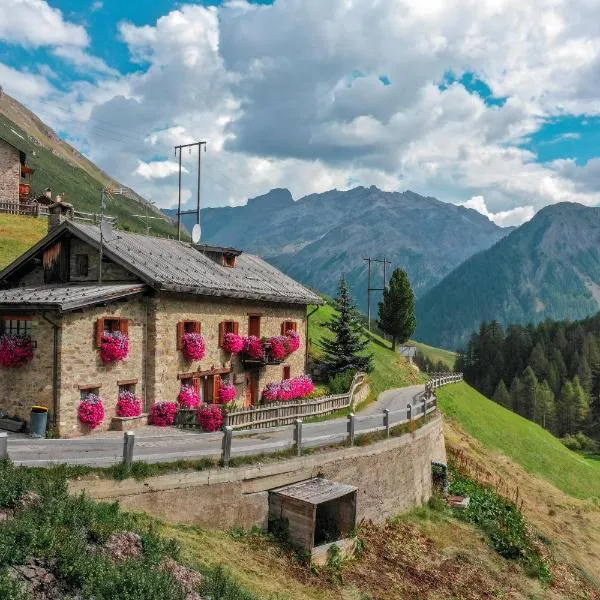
[(564, 410), (530, 383), (347, 350), (546, 407), (501, 395), (396, 314)]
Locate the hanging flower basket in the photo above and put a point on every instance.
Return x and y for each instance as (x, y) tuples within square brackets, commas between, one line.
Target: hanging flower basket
[(188, 397), (194, 346), (227, 393), (234, 343), (210, 417), (129, 405), (15, 350), (293, 340), (91, 411), (253, 348), (289, 389), (277, 348), (114, 347), (162, 414)]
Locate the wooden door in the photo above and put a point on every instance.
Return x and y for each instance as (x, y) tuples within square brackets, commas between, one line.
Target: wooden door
[(251, 395)]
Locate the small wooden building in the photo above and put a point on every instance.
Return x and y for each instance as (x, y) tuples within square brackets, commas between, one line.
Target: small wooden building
[(313, 513)]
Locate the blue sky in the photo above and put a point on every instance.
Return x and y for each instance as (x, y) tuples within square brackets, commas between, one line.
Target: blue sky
[(498, 109)]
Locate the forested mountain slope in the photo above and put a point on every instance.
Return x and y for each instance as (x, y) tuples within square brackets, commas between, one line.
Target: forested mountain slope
[(549, 268)]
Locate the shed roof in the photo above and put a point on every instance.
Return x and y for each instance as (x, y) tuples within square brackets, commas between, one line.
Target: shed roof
[(315, 491), (65, 297)]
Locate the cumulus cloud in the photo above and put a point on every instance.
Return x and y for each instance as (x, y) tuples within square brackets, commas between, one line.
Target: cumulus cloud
[(291, 94), (505, 218), (35, 23)]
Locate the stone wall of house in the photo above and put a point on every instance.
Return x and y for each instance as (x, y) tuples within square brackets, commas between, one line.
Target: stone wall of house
[(81, 364), (168, 361), (22, 387), (110, 270), (10, 173)]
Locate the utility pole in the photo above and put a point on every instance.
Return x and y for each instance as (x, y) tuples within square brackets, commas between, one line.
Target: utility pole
[(188, 212), (370, 289)]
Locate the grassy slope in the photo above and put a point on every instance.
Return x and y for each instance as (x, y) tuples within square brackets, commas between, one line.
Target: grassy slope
[(437, 354), (390, 369), (536, 450), (17, 235)]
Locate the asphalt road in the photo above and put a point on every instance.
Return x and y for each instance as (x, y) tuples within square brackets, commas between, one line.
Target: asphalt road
[(170, 444)]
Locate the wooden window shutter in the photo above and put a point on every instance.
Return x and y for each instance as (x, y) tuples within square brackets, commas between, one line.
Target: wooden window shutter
[(180, 333), (216, 388), (236, 327), (287, 372), (99, 332), (283, 328), (196, 382), (221, 332), (124, 326), (197, 327)]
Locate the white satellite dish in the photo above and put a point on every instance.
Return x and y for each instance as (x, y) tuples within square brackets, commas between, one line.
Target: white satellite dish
[(196, 233)]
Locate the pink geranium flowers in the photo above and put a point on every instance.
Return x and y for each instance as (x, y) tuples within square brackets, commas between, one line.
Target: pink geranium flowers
[(129, 405), (253, 348), (234, 343), (227, 393), (210, 417), (188, 397), (91, 411), (194, 346), (163, 414), (114, 346), (15, 350), (276, 348), (289, 389)]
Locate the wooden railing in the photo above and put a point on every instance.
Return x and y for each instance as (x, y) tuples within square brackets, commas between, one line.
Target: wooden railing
[(32, 209), (93, 217)]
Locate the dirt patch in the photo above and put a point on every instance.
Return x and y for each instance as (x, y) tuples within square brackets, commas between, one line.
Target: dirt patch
[(123, 546), (37, 579)]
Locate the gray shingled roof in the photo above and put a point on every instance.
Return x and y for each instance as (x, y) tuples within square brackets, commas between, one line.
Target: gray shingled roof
[(66, 297), (182, 267)]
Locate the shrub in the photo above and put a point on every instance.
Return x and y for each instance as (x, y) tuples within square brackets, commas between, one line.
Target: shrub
[(210, 417), (340, 382), (162, 414), (580, 443), (188, 397), (227, 393), (15, 350), (91, 411), (234, 343), (114, 347), (194, 346), (129, 405)]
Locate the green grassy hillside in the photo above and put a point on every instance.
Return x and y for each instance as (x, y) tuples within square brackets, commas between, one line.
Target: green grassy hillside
[(536, 450), (17, 235), (390, 370), (436, 354)]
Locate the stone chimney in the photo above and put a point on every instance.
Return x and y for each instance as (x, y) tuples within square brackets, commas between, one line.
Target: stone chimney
[(48, 193), (58, 213)]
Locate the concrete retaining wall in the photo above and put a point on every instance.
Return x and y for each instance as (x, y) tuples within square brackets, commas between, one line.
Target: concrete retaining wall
[(392, 476)]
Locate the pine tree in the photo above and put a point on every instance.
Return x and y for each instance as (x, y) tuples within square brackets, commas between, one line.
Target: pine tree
[(581, 405), (565, 410), (396, 313), (530, 383), (346, 351), (546, 406), (516, 395), (501, 395)]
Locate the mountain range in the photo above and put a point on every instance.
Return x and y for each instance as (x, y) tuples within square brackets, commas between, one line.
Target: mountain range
[(318, 237), (548, 268)]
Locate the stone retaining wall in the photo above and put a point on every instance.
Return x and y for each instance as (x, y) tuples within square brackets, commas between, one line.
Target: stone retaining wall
[(392, 476)]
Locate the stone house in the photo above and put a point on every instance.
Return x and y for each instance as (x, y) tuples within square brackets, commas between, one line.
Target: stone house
[(11, 161), (79, 282)]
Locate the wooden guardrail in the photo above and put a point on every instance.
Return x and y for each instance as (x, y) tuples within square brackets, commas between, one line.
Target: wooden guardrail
[(32, 209)]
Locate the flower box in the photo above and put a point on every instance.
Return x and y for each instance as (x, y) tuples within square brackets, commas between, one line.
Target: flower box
[(127, 423)]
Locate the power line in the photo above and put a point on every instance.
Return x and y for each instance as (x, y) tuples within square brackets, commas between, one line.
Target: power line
[(179, 213)]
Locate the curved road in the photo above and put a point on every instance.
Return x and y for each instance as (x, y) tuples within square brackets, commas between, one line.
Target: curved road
[(170, 444)]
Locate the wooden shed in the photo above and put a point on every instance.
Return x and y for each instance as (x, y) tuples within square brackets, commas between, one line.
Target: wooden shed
[(313, 512)]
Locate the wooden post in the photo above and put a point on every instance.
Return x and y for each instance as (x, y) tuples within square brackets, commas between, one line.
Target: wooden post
[(409, 412), (227, 437), (351, 425), (3, 446), (386, 421), (128, 441), (298, 437), (424, 405)]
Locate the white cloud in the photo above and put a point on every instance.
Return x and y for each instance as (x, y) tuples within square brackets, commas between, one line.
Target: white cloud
[(96, 6), (505, 218), (85, 62), (35, 23), (158, 169), (26, 86)]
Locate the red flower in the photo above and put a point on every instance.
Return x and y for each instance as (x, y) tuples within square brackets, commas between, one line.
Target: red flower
[(227, 393), (253, 348), (188, 397), (210, 417), (194, 347), (162, 414), (278, 347), (114, 347), (15, 350), (289, 389), (129, 405), (234, 343), (91, 411)]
